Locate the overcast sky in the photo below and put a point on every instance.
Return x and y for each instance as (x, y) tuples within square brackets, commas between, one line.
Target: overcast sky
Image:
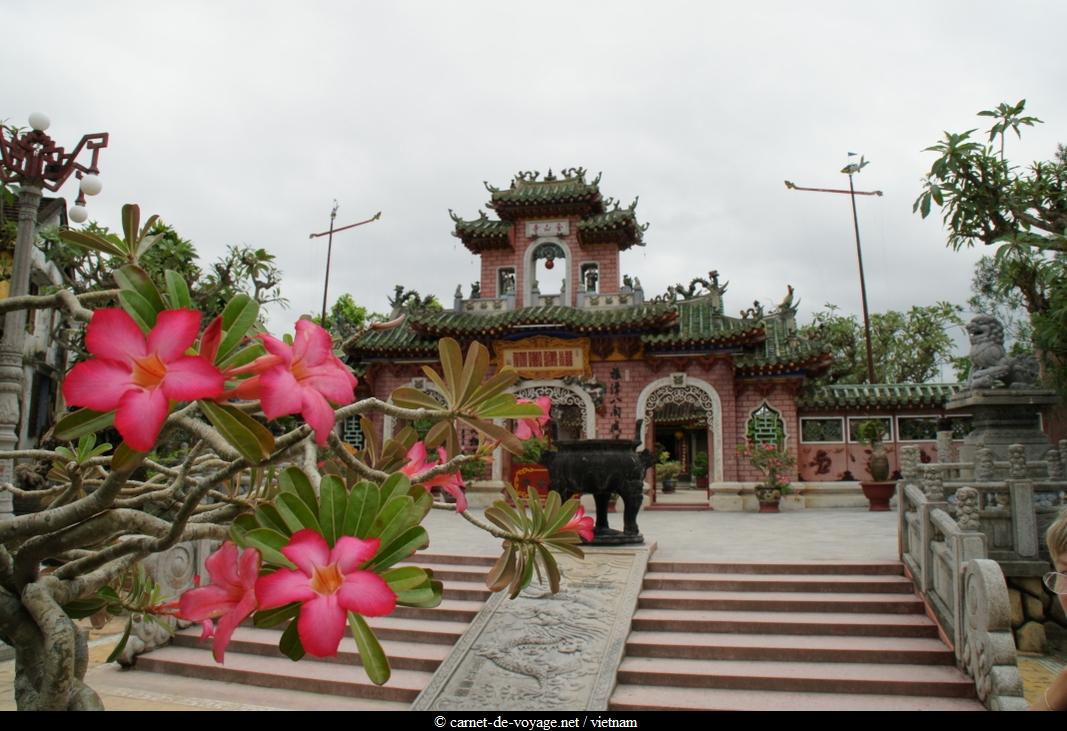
[(239, 123)]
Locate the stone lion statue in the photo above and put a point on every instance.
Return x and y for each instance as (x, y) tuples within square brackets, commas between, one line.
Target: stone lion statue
[(991, 366)]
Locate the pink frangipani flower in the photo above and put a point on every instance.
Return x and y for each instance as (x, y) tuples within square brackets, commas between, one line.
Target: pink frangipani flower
[(328, 584), (581, 524), (230, 597), (451, 482), (300, 379), (140, 376), (535, 426)]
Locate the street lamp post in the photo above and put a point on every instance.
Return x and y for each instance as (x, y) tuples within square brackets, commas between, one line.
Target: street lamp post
[(34, 162), (851, 169)]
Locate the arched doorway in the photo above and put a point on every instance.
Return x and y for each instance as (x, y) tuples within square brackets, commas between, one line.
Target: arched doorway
[(547, 273), (691, 411)]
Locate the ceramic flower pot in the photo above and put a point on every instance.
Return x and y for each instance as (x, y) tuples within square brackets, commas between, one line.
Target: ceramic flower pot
[(768, 498), (879, 494)]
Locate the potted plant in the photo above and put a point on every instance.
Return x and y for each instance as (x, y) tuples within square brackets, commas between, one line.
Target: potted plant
[(880, 488), (667, 471), (775, 463), (527, 470), (700, 470)]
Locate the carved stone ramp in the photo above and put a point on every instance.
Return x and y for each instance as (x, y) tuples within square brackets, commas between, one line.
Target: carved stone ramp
[(807, 635), (415, 640), (544, 651)]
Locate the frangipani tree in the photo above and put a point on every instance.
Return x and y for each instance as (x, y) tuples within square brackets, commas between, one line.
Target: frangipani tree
[(312, 530)]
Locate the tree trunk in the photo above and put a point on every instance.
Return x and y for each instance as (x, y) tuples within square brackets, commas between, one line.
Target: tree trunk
[(51, 656)]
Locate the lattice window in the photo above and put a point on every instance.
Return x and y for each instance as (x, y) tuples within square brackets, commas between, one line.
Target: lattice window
[(352, 432), (765, 426), (917, 428), (822, 430)]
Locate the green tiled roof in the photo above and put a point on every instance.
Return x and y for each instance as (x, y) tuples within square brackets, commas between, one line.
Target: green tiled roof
[(765, 347), (573, 319), (400, 340), (615, 226), (529, 194), (699, 324), (481, 234), (877, 396)]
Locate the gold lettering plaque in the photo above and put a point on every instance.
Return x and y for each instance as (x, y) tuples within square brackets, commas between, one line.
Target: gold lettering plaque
[(544, 357)]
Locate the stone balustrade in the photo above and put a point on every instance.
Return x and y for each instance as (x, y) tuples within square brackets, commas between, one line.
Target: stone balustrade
[(947, 559), (485, 305)]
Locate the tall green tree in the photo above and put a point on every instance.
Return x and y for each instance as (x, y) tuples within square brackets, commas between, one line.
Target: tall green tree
[(345, 318), (1022, 211), (908, 347), (240, 269)]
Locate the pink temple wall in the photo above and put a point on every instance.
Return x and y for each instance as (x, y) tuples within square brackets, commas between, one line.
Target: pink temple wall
[(815, 462)]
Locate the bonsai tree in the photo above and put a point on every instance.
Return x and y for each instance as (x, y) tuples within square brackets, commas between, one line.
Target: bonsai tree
[(532, 450), (700, 468), (772, 460)]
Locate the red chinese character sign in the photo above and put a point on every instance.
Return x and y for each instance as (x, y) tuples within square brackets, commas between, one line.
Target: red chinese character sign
[(544, 357)]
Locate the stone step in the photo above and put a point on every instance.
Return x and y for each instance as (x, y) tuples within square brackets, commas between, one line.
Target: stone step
[(264, 643), (281, 673), (450, 559), (466, 590), (449, 610), (678, 507), (791, 623), (891, 568), (660, 698), (417, 630), (826, 583), (782, 601), (449, 572), (797, 648), (157, 689), (822, 677)]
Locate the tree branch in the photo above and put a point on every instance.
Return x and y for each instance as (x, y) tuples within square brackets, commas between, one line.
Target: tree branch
[(59, 518), (354, 464)]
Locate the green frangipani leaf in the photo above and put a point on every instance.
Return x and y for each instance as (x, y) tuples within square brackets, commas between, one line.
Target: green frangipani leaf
[(404, 545), (115, 653), (361, 510), (81, 422), (140, 309), (240, 314), (177, 291), (296, 513), (293, 480), (274, 617), (411, 398), (371, 656), (88, 240), (269, 543), (290, 644), (133, 278), (405, 578), (250, 438), (333, 502)]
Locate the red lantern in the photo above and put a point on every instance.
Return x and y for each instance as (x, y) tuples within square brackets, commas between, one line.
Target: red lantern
[(549, 263)]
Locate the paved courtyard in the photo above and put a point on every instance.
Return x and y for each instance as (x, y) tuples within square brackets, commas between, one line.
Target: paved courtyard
[(837, 534)]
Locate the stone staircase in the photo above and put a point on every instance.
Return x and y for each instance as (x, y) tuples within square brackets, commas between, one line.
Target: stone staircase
[(415, 640), (786, 636)]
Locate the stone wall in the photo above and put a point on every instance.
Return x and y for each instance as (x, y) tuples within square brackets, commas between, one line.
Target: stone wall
[(1037, 618)]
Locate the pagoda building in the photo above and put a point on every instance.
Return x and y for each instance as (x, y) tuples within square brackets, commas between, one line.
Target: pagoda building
[(673, 371)]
